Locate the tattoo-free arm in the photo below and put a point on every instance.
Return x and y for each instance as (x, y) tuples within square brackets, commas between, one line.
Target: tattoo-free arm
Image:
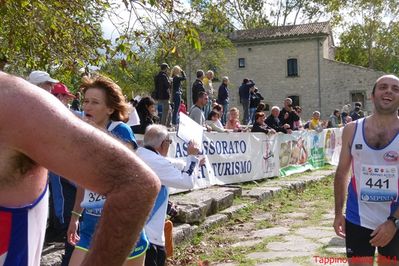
[(75, 150), (341, 179)]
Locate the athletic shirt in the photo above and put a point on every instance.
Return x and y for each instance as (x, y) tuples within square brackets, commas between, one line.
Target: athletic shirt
[(22, 232), (373, 188), (92, 201)]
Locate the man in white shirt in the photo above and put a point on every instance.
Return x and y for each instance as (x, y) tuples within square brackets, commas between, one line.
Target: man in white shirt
[(156, 147)]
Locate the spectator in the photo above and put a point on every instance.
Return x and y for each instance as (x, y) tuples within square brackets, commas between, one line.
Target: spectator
[(254, 99), (345, 114), (146, 111), (273, 121), (233, 122), (154, 153), (246, 87), (335, 119), (183, 107), (196, 112), (214, 122), (315, 123), (223, 98), (162, 93), (198, 85), (298, 125), (76, 102), (42, 79), (357, 112), (260, 125), (209, 90), (177, 77), (287, 114)]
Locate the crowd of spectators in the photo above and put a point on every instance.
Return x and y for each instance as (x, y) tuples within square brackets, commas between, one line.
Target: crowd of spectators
[(211, 109)]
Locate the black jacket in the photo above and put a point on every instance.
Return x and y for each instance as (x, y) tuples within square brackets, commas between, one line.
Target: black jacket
[(162, 86), (176, 83), (258, 128), (292, 116), (223, 94), (197, 87), (274, 123)]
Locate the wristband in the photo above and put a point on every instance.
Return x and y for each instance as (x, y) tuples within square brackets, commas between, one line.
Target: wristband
[(76, 214)]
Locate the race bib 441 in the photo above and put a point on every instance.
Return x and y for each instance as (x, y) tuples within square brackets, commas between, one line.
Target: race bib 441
[(379, 183)]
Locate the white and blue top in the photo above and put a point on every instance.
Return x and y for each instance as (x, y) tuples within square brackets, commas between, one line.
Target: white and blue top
[(373, 188)]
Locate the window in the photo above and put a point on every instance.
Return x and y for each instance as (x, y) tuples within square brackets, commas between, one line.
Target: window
[(292, 67), (295, 100), (358, 96), (241, 62)]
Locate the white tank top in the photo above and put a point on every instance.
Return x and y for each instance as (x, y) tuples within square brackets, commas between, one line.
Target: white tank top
[(373, 188)]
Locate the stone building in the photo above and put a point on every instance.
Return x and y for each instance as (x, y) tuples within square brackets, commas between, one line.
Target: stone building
[(297, 61)]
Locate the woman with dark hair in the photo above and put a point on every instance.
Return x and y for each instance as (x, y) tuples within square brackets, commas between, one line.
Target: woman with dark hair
[(104, 107), (146, 110)]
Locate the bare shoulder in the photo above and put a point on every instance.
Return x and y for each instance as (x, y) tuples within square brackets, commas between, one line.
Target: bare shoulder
[(348, 133), (34, 123)]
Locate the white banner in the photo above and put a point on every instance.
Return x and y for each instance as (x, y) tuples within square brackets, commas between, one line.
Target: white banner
[(236, 157)]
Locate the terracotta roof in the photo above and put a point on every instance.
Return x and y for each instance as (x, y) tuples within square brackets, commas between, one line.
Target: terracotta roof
[(279, 32)]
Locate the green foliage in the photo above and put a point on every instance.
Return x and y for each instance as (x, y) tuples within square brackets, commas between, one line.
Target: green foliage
[(134, 79), (372, 42), (43, 35)]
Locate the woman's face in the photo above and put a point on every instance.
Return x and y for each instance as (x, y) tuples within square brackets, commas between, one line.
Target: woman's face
[(151, 109), (95, 107)]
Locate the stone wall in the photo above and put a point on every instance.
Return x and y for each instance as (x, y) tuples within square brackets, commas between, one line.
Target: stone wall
[(266, 64)]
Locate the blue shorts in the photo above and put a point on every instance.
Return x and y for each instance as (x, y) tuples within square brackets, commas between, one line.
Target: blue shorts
[(86, 231)]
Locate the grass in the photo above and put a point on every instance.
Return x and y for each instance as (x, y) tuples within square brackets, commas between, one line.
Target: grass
[(216, 244)]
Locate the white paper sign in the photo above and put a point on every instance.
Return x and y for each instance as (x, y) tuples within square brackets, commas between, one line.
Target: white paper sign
[(190, 130)]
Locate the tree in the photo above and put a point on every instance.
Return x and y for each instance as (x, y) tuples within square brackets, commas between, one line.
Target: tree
[(38, 35), (372, 40), (246, 14)]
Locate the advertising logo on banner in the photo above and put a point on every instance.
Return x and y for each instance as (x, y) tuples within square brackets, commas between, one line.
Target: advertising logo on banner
[(294, 152)]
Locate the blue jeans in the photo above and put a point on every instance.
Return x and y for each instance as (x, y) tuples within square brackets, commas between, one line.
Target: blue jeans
[(208, 108), (252, 112), (176, 105)]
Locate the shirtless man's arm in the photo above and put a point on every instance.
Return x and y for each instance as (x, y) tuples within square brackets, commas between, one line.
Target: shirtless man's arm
[(35, 124), (342, 178)]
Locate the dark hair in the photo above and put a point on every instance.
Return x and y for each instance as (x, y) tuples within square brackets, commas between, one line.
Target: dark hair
[(374, 87), (217, 107), (200, 73), (113, 96), (201, 94), (335, 111), (212, 114), (259, 114), (261, 107), (245, 80), (142, 107)]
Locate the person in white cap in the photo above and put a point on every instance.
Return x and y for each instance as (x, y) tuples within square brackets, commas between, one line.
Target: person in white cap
[(42, 79)]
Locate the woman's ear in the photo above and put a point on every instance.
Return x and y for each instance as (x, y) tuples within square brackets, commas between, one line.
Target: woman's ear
[(110, 111)]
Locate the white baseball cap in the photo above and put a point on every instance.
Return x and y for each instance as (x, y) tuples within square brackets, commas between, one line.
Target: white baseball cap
[(37, 77)]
